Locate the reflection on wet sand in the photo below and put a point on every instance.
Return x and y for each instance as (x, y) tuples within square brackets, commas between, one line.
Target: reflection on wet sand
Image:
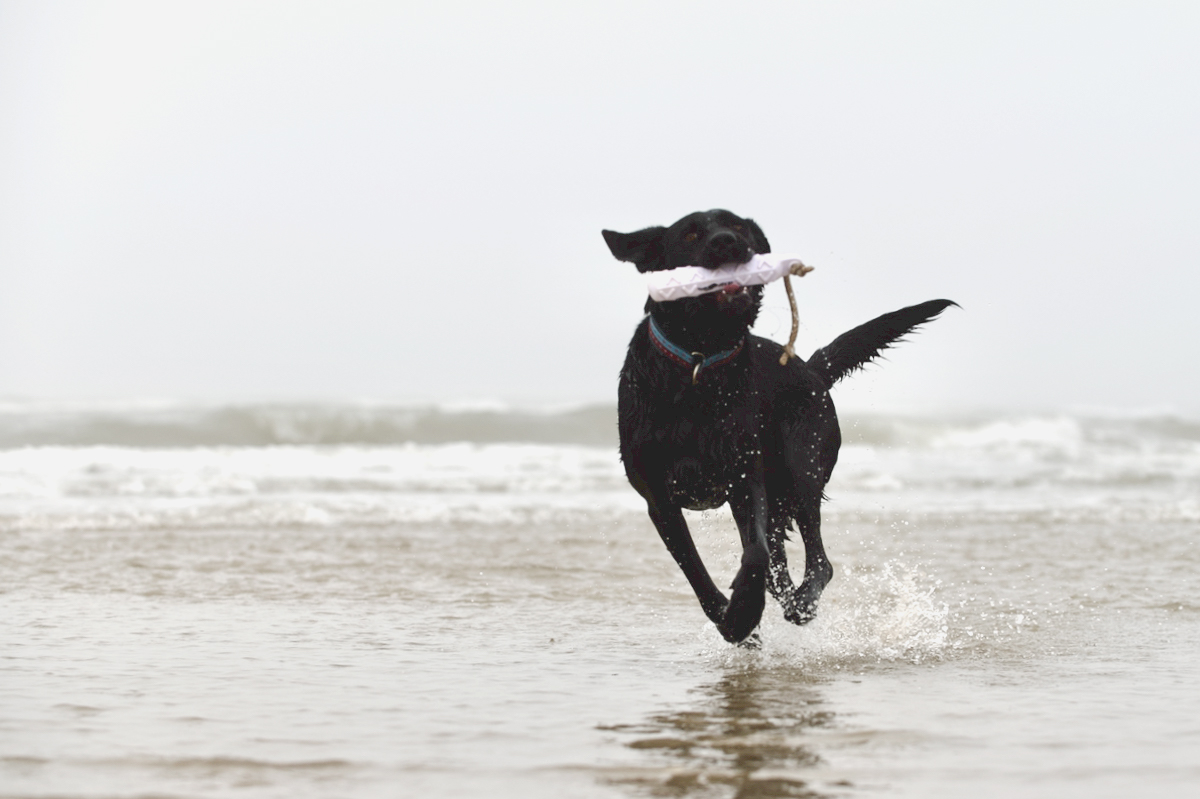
[(743, 737)]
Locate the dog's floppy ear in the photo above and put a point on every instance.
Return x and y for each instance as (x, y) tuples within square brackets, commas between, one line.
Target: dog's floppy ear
[(643, 248), (757, 237)]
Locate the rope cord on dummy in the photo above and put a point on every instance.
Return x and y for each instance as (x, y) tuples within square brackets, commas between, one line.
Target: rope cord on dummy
[(789, 350)]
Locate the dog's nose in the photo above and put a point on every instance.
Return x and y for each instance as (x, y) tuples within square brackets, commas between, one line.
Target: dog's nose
[(723, 247)]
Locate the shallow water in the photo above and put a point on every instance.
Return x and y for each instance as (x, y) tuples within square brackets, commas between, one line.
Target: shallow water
[(333, 609)]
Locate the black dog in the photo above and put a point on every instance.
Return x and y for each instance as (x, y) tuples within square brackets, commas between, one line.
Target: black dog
[(707, 416)]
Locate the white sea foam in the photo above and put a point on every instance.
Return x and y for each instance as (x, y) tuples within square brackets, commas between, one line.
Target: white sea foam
[(106, 487), (1057, 467), (1059, 434)]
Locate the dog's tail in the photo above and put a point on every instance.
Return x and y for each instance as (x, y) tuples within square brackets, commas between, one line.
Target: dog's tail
[(855, 348)]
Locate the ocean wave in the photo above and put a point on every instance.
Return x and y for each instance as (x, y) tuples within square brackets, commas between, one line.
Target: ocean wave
[(277, 466), (316, 512), (1063, 431), (160, 425), (515, 469), (174, 425)]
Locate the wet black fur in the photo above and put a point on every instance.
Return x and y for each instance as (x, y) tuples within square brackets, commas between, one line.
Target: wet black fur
[(760, 436)]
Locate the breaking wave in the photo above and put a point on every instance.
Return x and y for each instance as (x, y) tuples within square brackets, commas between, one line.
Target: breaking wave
[(150, 426)]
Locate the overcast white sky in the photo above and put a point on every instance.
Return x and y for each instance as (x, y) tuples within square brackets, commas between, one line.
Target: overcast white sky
[(403, 201)]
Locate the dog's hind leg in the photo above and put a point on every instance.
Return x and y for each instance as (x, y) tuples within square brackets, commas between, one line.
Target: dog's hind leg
[(779, 579), (802, 607), (810, 456), (799, 604)]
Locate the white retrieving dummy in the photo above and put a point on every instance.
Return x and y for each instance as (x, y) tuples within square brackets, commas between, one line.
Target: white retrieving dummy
[(693, 281)]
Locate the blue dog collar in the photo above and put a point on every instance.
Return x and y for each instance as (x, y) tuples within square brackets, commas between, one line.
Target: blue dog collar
[(696, 360)]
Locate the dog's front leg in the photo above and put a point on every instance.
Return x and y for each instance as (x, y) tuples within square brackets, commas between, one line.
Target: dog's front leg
[(749, 586), (673, 530)]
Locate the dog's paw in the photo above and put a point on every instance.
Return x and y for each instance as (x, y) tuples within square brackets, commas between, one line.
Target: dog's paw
[(801, 614), (740, 621), (742, 632), (803, 605), (753, 642)]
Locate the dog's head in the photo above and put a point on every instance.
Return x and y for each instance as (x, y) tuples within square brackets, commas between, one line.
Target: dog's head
[(706, 238)]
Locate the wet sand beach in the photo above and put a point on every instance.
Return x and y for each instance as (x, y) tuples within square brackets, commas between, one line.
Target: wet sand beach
[(331, 612)]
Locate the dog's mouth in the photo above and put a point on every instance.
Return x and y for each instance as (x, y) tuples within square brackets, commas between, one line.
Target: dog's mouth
[(730, 292), (732, 298)]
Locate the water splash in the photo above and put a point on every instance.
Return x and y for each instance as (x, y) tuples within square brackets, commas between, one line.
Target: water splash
[(887, 614)]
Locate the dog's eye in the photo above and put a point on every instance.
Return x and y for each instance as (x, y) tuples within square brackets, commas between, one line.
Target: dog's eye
[(739, 228), (690, 236)]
